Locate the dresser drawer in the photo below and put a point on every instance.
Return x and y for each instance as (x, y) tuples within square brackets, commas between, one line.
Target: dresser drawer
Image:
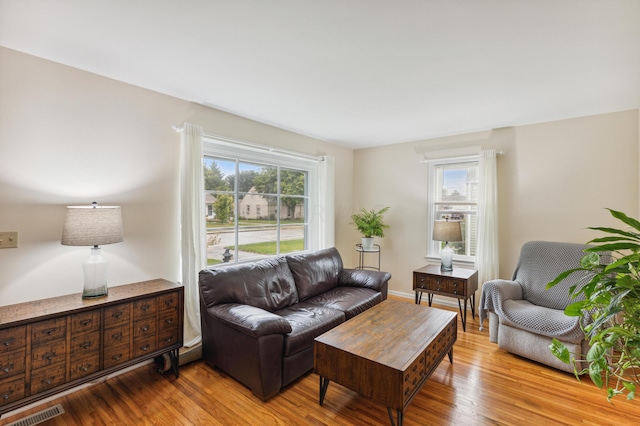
[(13, 338), (12, 363), (44, 331), (85, 344), (116, 355), (11, 389), (115, 336), (144, 328), (118, 314), (168, 319), (85, 322), (85, 366), (144, 308), (48, 354), (168, 301), (47, 378)]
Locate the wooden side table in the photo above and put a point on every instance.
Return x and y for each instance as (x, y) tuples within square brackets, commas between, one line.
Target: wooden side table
[(459, 283)]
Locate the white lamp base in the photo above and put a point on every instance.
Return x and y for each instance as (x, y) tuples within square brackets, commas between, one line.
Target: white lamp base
[(446, 255), (95, 275)]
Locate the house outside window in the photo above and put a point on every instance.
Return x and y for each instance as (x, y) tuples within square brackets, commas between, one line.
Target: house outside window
[(453, 195), (279, 187)]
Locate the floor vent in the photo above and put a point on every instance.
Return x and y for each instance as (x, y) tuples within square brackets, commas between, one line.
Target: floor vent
[(39, 417)]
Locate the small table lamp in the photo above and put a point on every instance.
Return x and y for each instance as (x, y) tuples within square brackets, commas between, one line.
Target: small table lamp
[(93, 226), (446, 231)]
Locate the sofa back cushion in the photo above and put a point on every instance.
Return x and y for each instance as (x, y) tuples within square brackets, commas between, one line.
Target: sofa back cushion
[(315, 272), (541, 262), (266, 284)]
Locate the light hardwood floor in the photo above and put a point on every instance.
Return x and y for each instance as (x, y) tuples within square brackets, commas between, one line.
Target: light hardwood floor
[(483, 386)]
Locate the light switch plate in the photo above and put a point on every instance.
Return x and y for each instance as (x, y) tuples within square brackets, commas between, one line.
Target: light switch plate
[(8, 239)]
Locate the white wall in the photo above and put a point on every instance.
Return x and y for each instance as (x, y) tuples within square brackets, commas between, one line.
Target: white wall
[(554, 180), (70, 137)]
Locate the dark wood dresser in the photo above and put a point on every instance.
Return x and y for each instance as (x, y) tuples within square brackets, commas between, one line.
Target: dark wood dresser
[(50, 345)]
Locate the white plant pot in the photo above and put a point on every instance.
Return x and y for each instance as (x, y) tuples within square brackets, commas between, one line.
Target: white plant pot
[(367, 243)]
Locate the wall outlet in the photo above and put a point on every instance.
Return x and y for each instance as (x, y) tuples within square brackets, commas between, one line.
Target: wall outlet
[(8, 239)]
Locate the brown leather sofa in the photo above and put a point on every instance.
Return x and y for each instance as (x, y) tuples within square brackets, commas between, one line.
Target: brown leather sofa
[(259, 319)]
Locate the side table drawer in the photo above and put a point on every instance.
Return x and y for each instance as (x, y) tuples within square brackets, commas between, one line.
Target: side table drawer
[(12, 363), (11, 389), (118, 314), (84, 366), (116, 355), (115, 336), (44, 331), (457, 287), (49, 353), (13, 338), (47, 378)]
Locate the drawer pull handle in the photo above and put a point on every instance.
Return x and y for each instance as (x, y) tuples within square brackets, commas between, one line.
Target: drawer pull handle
[(85, 368), (168, 321), (168, 302), (85, 322), (86, 345), (9, 342), (47, 382), (117, 314), (168, 339), (145, 328), (144, 348), (7, 369), (6, 395), (49, 332), (116, 336), (145, 307), (116, 357)]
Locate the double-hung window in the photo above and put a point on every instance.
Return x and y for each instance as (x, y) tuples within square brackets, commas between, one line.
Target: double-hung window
[(453, 195), (258, 202)]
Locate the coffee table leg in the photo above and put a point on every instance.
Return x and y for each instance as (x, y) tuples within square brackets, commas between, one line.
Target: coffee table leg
[(399, 414), (324, 384)]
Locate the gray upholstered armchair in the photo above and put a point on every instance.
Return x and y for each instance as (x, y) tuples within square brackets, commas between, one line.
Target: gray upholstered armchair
[(524, 316)]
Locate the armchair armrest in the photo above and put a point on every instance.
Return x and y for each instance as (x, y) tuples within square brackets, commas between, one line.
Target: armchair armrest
[(252, 321), (495, 292), (375, 280)]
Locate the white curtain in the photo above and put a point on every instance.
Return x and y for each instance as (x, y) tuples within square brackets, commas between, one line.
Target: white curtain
[(192, 219), (326, 199), (487, 250)]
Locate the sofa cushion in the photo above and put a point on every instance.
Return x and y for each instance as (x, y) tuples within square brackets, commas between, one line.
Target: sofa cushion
[(307, 322), (541, 320), (350, 300), (266, 284), (315, 272)]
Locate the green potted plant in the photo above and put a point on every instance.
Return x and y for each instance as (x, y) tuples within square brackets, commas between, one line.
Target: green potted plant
[(610, 301), (370, 224)]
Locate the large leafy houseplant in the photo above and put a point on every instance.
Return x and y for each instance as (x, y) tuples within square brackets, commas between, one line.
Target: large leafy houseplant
[(611, 302)]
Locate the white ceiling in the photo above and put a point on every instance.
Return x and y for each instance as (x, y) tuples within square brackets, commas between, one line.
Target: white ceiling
[(358, 73)]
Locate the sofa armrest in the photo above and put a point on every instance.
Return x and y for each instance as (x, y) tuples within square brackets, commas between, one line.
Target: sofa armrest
[(374, 280), (252, 321), (494, 293)]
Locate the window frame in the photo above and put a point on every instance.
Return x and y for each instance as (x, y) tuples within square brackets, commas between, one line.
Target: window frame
[(256, 154), (433, 247)]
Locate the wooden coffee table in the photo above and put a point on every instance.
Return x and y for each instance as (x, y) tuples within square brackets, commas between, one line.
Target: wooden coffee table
[(386, 353)]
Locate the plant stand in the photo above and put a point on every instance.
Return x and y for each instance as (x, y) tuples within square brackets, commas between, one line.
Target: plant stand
[(362, 252)]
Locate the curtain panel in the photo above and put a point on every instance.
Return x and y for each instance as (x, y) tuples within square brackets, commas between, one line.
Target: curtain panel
[(487, 250), (192, 222)]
